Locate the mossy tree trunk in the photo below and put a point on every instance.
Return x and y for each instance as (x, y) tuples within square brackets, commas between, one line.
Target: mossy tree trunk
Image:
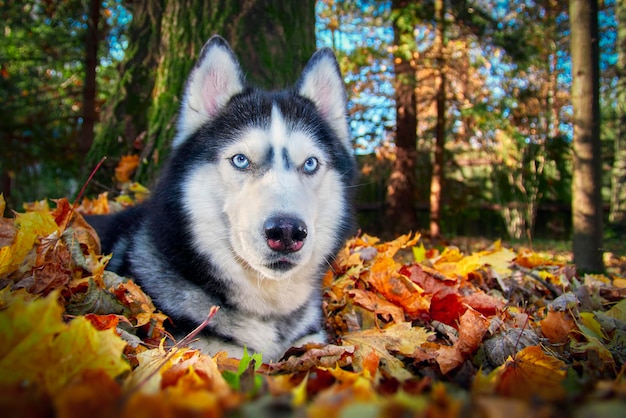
[(272, 38)]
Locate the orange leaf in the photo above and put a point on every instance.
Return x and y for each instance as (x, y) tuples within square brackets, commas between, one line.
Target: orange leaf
[(556, 326), (472, 328), (98, 206), (102, 322), (397, 288), (449, 358), (378, 305), (125, 168)]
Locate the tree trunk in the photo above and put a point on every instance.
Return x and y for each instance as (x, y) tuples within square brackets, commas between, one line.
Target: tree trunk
[(437, 179), (617, 215), (587, 175), (272, 38), (400, 212), (92, 35), (124, 120)]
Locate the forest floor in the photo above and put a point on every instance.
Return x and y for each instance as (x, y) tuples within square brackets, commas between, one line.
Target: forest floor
[(614, 249), (469, 327)]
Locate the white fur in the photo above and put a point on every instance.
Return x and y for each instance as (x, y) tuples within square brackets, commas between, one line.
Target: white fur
[(323, 85), (228, 208), (214, 80)]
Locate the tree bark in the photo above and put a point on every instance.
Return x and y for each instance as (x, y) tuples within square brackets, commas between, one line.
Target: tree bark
[(92, 35), (273, 40), (399, 211), (124, 121), (617, 214), (586, 183), (437, 179)]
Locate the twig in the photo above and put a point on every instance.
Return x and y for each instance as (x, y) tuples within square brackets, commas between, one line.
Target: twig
[(533, 275)]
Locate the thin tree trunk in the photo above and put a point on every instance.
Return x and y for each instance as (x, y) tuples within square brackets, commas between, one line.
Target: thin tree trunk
[(400, 212), (587, 175), (437, 179), (617, 215), (91, 64)]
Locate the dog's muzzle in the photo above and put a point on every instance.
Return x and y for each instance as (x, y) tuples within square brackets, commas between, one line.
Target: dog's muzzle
[(285, 234)]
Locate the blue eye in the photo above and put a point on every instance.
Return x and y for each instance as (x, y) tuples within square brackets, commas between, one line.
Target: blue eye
[(240, 161), (311, 165)]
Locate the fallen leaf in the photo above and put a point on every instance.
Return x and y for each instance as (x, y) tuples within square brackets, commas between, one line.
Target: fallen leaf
[(378, 305), (30, 226), (556, 326), (39, 346), (126, 167), (400, 338), (532, 374)]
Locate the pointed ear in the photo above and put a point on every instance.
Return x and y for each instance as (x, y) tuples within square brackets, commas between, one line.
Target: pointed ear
[(322, 83), (213, 81)]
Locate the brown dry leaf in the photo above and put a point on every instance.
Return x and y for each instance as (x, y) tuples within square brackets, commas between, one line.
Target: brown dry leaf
[(141, 307), (48, 277), (472, 328), (305, 358), (378, 305), (556, 326), (8, 231), (506, 343)]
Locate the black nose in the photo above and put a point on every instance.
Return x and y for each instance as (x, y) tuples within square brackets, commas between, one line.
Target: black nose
[(285, 234)]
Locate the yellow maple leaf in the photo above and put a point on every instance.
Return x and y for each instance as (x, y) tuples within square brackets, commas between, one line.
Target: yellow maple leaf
[(401, 337), (30, 226), (39, 347)]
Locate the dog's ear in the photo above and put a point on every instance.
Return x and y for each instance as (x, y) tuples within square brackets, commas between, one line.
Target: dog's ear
[(322, 83), (213, 81)]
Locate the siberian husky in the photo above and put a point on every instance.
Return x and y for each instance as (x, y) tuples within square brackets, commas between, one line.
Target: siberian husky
[(251, 207)]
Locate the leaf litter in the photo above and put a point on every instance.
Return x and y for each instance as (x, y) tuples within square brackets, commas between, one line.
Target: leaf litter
[(425, 332)]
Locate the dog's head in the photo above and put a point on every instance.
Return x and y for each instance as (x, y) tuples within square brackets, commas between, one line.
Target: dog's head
[(267, 174)]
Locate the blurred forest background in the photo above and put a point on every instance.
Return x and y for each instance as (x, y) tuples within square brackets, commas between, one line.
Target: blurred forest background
[(472, 117)]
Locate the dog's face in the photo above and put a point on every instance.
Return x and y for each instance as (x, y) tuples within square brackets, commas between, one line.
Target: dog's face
[(270, 199)]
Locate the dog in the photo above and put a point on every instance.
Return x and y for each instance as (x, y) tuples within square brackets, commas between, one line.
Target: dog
[(252, 205)]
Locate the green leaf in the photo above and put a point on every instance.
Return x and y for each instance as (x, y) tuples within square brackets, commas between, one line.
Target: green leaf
[(246, 380)]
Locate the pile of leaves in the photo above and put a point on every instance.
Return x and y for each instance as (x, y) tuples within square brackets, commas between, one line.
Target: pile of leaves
[(428, 332)]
